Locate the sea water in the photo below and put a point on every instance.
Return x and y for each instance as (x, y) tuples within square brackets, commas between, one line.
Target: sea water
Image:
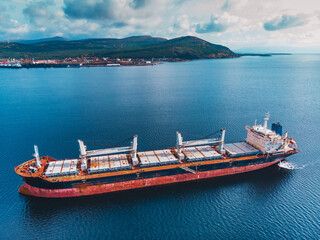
[(103, 106)]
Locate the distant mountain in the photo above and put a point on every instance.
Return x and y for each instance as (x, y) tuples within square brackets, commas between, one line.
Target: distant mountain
[(53, 39), (132, 47), (183, 48)]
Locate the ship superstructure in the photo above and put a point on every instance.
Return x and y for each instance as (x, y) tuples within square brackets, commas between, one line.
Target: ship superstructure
[(122, 168), (269, 141)]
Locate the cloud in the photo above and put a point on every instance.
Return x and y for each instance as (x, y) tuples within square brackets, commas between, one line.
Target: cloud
[(235, 23), (21, 29), (136, 4), (286, 21), (215, 25), (83, 9), (37, 12), (3, 15), (47, 19), (10, 26), (119, 24), (182, 23), (103, 9), (180, 26), (226, 6)]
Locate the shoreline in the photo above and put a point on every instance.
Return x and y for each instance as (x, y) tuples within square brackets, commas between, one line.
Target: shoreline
[(124, 63)]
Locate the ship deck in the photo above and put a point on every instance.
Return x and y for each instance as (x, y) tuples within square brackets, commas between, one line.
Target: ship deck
[(53, 170)]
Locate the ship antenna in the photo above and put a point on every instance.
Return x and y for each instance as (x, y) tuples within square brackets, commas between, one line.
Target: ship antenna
[(265, 126), (255, 122)]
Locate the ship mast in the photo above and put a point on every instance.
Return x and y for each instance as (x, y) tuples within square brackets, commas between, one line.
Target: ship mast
[(36, 155), (83, 155), (134, 150), (221, 150)]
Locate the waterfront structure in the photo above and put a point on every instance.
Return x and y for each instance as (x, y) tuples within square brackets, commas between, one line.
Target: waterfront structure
[(10, 64)]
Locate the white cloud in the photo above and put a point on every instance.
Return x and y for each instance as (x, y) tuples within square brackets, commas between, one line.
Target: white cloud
[(19, 30), (286, 21), (235, 23), (181, 23)]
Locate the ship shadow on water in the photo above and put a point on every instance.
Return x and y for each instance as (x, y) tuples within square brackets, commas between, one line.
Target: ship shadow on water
[(262, 182)]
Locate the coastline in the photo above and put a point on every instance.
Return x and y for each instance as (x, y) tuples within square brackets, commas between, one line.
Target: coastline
[(96, 62), (106, 62)]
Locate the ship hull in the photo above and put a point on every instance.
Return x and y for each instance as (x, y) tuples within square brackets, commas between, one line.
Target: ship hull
[(84, 189)]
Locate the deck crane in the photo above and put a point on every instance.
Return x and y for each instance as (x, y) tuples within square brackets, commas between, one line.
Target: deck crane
[(107, 151), (208, 141)]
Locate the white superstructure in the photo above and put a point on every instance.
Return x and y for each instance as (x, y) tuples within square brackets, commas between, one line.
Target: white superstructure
[(268, 141)]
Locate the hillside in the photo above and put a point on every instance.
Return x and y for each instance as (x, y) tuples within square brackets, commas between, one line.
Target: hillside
[(132, 47), (53, 39)]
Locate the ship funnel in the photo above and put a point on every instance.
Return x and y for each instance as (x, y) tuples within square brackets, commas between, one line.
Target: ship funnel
[(277, 128), (36, 155)]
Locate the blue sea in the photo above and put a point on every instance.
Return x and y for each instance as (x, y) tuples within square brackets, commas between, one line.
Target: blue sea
[(103, 106)]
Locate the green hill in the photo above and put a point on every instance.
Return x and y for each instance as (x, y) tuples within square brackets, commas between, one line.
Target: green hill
[(132, 47), (53, 39)]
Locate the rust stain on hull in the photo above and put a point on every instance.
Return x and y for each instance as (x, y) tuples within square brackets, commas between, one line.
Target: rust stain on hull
[(141, 183)]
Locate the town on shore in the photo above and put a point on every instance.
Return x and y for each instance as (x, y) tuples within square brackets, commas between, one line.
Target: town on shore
[(78, 62)]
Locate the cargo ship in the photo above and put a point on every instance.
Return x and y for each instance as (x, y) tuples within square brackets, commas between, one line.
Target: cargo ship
[(123, 168)]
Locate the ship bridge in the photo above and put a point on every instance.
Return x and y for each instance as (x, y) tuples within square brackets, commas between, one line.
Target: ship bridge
[(269, 141)]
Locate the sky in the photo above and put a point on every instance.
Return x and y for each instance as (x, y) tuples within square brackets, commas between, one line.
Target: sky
[(242, 25)]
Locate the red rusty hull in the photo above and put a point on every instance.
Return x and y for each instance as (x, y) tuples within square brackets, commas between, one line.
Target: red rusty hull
[(141, 183)]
